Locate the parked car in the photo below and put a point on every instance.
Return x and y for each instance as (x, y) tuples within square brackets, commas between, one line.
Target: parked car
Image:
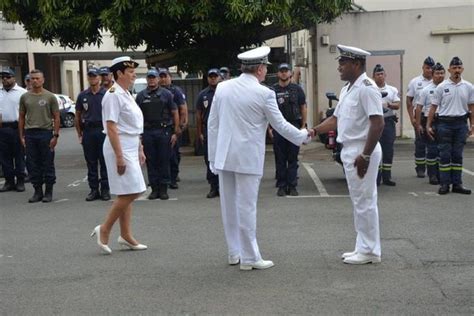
[(138, 85), (67, 110)]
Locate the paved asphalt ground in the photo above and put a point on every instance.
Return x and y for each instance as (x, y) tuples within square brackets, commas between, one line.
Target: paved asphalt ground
[(49, 264)]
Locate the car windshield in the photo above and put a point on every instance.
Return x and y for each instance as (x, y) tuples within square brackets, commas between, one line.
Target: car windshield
[(137, 87)]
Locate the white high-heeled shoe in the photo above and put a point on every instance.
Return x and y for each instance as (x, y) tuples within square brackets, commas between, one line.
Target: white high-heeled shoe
[(102, 246), (125, 243)]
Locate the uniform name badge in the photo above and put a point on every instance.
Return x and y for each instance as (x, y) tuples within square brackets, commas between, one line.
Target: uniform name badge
[(85, 105), (206, 103)]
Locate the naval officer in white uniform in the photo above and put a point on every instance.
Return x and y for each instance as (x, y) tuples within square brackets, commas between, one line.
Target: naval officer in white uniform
[(240, 113), (359, 120), (123, 154)]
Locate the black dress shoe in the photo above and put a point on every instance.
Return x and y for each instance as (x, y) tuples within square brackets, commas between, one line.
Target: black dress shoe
[(105, 194), (281, 191), (443, 189), (213, 193), (458, 188), (434, 180), (93, 195), (8, 186), (389, 182)]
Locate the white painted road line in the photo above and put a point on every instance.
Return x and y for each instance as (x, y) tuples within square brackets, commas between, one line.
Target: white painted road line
[(469, 172), (316, 196), (316, 180)]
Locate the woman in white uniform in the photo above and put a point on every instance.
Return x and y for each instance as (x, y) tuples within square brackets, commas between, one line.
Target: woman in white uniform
[(123, 154)]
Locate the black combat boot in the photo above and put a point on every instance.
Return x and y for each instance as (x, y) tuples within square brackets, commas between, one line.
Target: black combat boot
[(48, 193), (443, 189), (434, 180), (9, 185), (214, 192), (20, 184), (164, 192), (292, 191), (105, 194), (93, 195), (155, 192), (38, 195), (458, 188)]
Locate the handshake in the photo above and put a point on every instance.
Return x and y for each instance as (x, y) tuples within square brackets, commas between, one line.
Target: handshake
[(311, 133)]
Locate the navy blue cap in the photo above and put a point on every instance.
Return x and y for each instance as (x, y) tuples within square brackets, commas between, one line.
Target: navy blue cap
[(214, 71), (93, 71), (284, 66), (8, 71), (104, 70), (438, 67), (163, 71), (224, 69), (429, 61), (27, 77), (152, 72), (456, 61)]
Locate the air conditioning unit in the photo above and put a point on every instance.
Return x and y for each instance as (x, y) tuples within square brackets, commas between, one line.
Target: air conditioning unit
[(300, 59)]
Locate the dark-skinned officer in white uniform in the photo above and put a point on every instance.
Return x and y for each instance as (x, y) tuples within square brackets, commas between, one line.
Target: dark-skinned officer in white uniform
[(359, 121), (240, 113)]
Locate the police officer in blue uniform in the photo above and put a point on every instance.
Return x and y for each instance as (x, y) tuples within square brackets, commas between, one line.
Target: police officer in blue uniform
[(12, 155), (89, 131), (160, 135), (292, 104), (179, 99), (454, 100), (203, 108), (390, 103), (423, 105), (415, 87)]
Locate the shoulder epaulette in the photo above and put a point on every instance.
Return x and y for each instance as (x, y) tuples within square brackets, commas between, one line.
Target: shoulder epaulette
[(367, 82), (112, 90)]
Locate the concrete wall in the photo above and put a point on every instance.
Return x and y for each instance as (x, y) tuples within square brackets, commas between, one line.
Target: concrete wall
[(403, 30)]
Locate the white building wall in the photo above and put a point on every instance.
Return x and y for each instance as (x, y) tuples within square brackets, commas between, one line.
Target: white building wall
[(408, 30)]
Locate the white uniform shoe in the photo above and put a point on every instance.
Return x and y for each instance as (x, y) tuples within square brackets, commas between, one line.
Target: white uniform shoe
[(259, 265), (360, 258), (348, 254), (125, 243), (233, 260)]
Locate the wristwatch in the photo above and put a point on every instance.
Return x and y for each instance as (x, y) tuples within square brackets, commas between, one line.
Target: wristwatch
[(56, 135), (365, 157)]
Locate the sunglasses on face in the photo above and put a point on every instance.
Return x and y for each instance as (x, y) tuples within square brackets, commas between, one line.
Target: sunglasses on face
[(6, 77)]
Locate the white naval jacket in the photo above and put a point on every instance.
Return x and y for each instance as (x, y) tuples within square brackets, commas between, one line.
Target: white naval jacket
[(240, 113)]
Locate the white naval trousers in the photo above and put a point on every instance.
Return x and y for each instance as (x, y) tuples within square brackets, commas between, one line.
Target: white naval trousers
[(238, 196), (363, 194)]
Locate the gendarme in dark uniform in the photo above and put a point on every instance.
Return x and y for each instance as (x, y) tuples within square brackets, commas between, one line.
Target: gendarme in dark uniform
[(454, 99), (203, 108), (161, 129), (89, 130), (292, 104), (179, 99)]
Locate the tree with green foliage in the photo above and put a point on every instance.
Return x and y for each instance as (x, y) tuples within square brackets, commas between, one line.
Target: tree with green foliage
[(201, 32)]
